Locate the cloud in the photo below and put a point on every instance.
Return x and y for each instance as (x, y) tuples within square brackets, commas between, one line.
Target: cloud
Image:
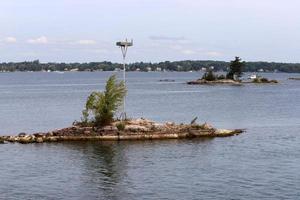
[(213, 53), (166, 38), (188, 52), (40, 40), (10, 40), (177, 47), (86, 42)]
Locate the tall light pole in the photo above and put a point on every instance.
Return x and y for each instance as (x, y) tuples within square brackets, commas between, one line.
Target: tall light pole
[(124, 46)]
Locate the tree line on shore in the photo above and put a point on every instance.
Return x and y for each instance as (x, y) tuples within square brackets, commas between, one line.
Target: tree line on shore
[(186, 65)]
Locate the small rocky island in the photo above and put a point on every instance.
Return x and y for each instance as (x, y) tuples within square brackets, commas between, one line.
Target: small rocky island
[(295, 78), (138, 129), (98, 123), (259, 80), (231, 78), (214, 82), (262, 80)]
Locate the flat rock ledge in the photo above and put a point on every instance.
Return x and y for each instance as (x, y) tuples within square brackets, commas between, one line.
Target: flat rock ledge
[(232, 82), (139, 129), (222, 81), (295, 78)]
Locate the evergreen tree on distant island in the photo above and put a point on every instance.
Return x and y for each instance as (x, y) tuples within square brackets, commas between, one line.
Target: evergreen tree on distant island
[(235, 68)]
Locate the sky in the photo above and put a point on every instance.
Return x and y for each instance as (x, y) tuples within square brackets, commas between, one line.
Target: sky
[(87, 30)]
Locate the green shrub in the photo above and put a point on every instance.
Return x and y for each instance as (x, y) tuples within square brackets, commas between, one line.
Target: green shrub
[(264, 80), (120, 126), (256, 80), (209, 76), (198, 126), (101, 106), (221, 77)]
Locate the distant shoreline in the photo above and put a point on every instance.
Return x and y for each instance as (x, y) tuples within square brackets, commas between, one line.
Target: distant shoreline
[(61, 72), (180, 66)]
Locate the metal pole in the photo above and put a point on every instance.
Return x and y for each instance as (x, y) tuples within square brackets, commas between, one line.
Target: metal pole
[(124, 79), (124, 46)]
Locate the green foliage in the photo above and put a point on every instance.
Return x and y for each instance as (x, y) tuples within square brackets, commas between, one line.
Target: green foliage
[(221, 77), (264, 80), (256, 80), (185, 65), (120, 126), (209, 76), (198, 126), (103, 105), (235, 68)]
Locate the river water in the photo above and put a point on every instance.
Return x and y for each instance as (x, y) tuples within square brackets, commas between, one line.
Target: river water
[(263, 163)]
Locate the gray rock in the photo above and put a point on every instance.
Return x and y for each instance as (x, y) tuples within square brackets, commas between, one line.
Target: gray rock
[(38, 135), (136, 128), (207, 126), (109, 128), (39, 140), (49, 134), (52, 139), (22, 134), (26, 139)]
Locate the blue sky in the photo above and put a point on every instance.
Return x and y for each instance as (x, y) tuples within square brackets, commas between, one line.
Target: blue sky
[(86, 30)]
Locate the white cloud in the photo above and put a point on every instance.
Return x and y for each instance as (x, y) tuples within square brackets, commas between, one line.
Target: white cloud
[(86, 42), (176, 47), (40, 40), (10, 40), (213, 53), (166, 38), (188, 52)]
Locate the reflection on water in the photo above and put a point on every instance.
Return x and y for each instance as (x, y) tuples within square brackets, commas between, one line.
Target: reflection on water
[(104, 166)]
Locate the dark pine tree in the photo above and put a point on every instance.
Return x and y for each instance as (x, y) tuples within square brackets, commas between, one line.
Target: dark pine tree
[(235, 68)]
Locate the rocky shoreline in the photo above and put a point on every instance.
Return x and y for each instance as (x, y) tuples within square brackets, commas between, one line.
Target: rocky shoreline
[(295, 78), (139, 129), (231, 82), (222, 81)]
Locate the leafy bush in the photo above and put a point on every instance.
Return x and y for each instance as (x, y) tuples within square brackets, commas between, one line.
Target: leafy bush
[(209, 76), (256, 80), (221, 77), (100, 107), (198, 126), (264, 80), (121, 126)]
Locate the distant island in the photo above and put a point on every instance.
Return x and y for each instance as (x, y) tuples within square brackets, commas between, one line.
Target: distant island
[(180, 66), (235, 72), (295, 78)]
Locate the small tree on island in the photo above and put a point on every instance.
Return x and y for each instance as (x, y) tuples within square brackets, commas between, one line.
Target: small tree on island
[(101, 107), (235, 68), (209, 76)]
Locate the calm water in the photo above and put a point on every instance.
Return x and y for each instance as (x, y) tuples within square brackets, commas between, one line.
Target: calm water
[(263, 163)]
